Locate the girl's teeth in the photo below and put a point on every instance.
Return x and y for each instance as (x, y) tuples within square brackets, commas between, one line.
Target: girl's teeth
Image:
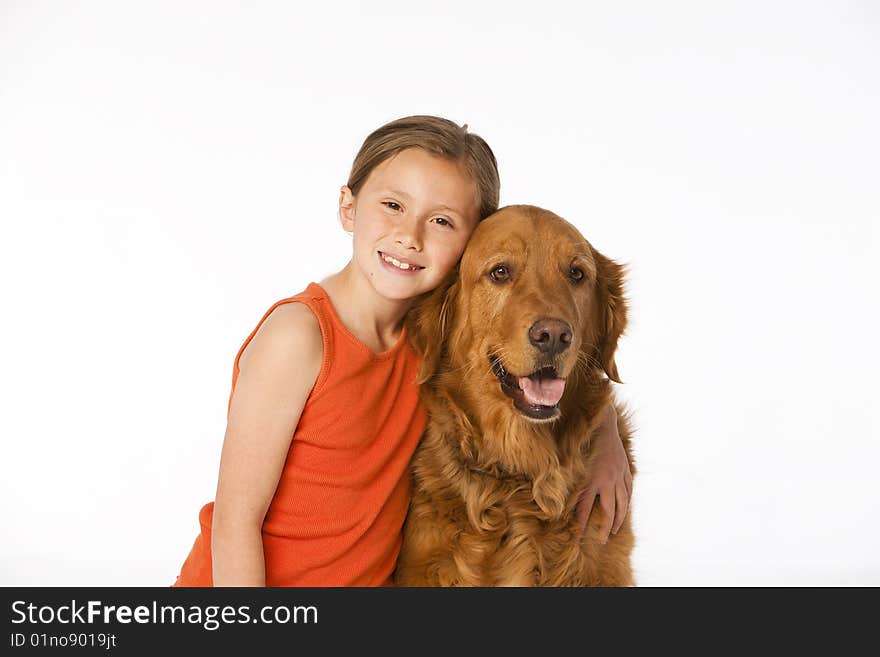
[(397, 263)]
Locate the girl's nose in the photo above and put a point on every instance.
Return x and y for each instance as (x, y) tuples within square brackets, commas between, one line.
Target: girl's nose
[(409, 235)]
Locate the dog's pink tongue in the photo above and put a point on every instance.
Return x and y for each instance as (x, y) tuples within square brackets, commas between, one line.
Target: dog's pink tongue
[(543, 392)]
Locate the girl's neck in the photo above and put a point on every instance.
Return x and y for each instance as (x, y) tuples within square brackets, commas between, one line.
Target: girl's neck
[(373, 319)]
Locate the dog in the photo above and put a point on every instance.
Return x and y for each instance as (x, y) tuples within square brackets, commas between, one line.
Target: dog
[(517, 352)]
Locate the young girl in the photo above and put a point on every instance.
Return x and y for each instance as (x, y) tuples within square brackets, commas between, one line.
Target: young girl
[(323, 414)]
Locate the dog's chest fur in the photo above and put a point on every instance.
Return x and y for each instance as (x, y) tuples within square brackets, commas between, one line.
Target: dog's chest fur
[(474, 524), (499, 536)]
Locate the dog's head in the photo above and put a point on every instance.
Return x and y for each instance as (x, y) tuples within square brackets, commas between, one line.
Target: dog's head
[(531, 303)]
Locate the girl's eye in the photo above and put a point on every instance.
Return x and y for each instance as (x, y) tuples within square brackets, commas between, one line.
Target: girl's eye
[(442, 221), (391, 204), (576, 274), (501, 274)]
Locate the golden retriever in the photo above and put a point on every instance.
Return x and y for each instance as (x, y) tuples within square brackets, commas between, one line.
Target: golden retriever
[(518, 346)]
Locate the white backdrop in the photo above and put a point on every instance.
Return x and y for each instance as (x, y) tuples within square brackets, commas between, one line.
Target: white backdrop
[(168, 170)]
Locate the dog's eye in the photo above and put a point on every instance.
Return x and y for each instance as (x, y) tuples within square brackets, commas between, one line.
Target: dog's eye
[(500, 274), (576, 274)]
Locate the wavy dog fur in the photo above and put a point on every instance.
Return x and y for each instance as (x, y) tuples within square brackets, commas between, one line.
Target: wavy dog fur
[(494, 491)]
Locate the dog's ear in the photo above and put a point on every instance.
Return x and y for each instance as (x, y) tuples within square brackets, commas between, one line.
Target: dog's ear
[(612, 317), (429, 322)]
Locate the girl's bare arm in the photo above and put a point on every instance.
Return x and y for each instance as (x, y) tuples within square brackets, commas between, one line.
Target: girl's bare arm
[(277, 371)]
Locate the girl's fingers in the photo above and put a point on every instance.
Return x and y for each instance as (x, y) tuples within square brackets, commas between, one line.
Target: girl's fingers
[(622, 507), (585, 506), (608, 504)]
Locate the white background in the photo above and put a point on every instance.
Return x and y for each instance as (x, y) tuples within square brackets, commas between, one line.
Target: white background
[(169, 170)]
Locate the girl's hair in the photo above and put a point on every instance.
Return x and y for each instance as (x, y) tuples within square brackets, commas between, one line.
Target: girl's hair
[(437, 136)]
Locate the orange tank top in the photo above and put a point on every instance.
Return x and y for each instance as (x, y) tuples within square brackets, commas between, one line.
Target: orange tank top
[(339, 507)]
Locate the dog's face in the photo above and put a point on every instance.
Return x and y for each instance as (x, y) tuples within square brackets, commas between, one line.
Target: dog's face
[(533, 301)]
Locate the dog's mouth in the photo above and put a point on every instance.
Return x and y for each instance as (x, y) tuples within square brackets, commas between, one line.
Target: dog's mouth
[(537, 395)]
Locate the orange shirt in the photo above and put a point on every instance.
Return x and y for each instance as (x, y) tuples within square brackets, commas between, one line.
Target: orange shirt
[(338, 511)]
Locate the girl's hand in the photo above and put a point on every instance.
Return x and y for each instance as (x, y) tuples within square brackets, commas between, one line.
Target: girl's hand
[(611, 480)]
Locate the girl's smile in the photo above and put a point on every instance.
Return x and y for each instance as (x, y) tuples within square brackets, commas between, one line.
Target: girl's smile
[(399, 264)]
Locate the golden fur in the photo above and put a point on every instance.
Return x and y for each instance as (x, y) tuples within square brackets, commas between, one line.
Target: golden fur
[(495, 491)]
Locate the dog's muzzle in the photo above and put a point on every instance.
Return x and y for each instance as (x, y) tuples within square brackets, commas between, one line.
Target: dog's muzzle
[(537, 395)]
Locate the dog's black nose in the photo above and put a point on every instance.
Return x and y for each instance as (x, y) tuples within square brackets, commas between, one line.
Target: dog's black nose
[(550, 335)]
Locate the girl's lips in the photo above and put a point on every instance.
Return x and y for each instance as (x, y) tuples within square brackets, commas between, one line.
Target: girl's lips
[(396, 269)]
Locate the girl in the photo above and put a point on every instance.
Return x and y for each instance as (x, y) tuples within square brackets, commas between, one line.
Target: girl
[(323, 414)]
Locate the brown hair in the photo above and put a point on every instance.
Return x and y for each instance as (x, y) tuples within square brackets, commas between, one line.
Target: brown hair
[(440, 137)]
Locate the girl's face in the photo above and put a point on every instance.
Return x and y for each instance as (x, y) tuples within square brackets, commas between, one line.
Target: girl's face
[(411, 221)]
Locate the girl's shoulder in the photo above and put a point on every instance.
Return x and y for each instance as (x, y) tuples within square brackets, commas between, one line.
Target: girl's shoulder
[(291, 330)]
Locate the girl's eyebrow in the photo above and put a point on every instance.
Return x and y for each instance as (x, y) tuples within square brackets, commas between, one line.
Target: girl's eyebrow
[(397, 192), (446, 208)]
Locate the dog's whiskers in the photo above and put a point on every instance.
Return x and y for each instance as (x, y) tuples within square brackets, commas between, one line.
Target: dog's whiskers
[(587, 361), (502, 354)]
